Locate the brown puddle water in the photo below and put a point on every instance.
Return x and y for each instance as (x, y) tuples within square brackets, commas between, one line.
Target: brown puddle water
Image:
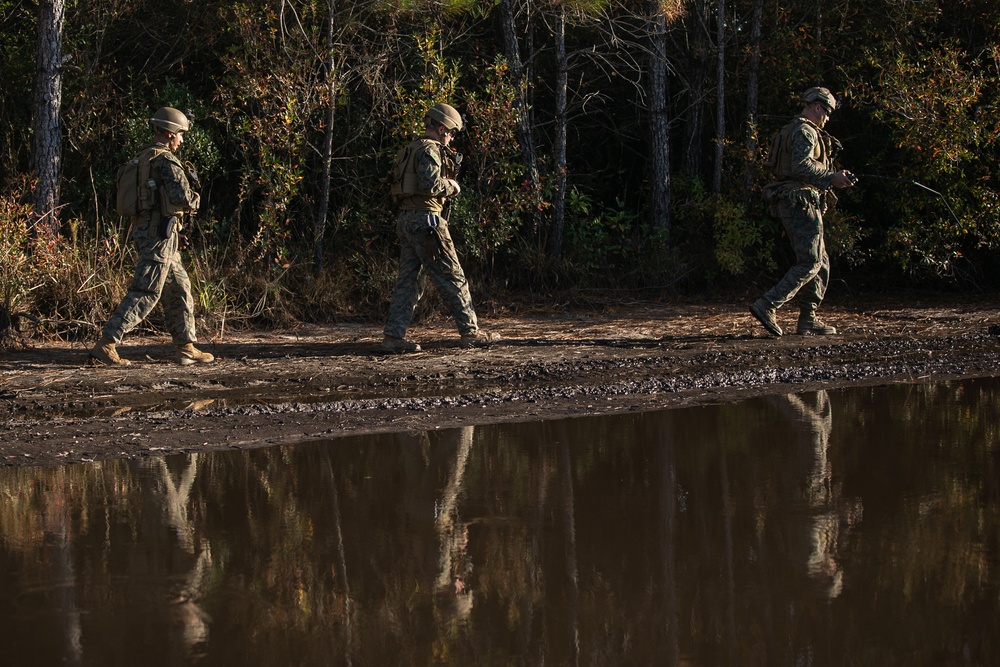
[(854, 527)]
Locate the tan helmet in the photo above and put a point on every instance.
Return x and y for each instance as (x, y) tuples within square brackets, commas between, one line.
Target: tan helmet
[(171, 120), (819, 94), (446, 115)]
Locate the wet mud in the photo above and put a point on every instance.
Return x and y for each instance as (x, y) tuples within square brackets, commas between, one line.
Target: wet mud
[(320, 382)]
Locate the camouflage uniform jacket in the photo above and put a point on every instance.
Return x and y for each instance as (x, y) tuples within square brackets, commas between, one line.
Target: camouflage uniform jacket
[(426, 168), (801, 159), (175, 192)]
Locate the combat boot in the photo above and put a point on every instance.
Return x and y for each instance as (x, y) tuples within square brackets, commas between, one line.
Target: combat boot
[(398, 345), (104, 352), (188, 354), (810, 326), (478, 338), (764, 313)]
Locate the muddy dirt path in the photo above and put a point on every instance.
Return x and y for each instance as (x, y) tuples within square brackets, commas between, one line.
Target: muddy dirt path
[(319, 382)]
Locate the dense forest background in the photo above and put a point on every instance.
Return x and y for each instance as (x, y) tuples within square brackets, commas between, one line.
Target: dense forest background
[(609, 144)]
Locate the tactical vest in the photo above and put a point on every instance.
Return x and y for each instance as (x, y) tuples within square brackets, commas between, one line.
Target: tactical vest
[(167, 207), (779, 159), (404, 183), (789, 185)]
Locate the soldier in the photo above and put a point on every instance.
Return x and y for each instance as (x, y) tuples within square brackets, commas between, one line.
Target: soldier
[(801, 159), (423, 180), (155, 230)]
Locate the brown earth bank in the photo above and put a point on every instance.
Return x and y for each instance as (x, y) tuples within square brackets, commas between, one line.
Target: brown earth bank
[(319, 382)]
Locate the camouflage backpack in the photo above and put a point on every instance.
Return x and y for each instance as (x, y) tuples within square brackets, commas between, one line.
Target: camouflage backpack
[(136, 187)]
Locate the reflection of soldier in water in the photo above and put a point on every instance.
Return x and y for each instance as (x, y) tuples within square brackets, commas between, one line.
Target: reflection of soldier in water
[(435, 475), (826, 510), (453, 562), (167, 494)]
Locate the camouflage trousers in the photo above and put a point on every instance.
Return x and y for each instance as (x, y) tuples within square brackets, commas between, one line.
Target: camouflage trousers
[(159, 273), (808, 278), (428, 249)]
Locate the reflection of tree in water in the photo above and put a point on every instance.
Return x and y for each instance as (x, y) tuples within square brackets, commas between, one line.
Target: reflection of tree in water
[(195, 550), (119, 535), (649, 539), (58, 541)]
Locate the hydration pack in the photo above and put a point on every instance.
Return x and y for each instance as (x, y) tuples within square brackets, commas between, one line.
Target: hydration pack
[(403, 178), (136, 187)]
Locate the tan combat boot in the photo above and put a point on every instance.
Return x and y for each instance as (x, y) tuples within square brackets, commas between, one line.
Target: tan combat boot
[(478, 338), (765, 314), (810, 326), (398, 345), (104, 352), (188, 354)]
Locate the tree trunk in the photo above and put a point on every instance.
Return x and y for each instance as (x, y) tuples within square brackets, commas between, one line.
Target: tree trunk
[(46, 155), (659, 121), (525, 139), (323, 206), (698, 69), (559, 150), (753, 99), (720, 96)]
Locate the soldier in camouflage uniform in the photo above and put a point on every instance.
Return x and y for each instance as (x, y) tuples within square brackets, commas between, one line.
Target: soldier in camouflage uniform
[(423, 179), (802, 160), (159, 272)]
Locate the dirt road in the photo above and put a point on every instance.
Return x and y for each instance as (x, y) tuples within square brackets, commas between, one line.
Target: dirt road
[(318, 382)]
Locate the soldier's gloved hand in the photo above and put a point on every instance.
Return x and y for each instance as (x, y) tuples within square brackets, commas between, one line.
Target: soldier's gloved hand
[(183, 242)]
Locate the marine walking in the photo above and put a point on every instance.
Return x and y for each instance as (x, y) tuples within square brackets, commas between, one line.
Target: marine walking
[(162, 193), (802, 161), (423, 183)]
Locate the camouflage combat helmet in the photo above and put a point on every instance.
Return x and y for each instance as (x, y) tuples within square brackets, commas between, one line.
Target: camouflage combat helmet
[(171, 120), (446, 115), (819, 94)]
